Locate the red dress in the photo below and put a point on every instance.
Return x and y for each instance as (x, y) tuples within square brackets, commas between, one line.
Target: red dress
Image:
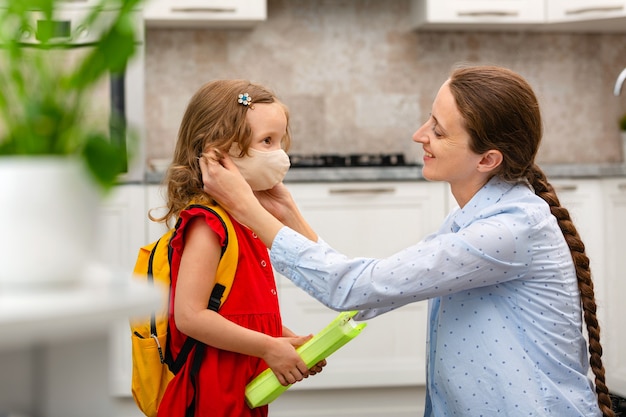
[(252, 303)]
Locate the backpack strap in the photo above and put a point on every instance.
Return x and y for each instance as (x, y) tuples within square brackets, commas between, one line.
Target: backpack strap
[(150, 279), (228, 258)]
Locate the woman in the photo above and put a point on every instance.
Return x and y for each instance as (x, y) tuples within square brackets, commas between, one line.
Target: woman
[(506, 275)]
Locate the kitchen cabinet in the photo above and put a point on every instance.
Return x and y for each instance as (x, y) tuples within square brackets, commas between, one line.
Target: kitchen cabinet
[(516, 15), (372, 219), (121, 228), (477, 14), (612, 333), (586, 15), (205, 13)]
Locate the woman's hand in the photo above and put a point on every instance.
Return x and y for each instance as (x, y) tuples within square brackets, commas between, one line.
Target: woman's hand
[(223, 182), (277, 201)]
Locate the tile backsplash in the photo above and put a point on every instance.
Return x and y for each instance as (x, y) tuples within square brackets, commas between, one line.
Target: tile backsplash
[(357, 79)]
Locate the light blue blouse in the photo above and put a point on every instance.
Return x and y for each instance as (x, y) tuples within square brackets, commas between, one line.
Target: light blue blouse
[(504, 333)]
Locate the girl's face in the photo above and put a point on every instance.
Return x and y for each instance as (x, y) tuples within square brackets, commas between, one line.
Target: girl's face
[(268, 123), (447, 156)]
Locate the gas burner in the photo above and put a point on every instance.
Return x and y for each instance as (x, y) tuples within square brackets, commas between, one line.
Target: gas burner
[(348, 160)]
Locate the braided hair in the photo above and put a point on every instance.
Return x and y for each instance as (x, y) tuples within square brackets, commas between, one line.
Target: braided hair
[(501, 111)]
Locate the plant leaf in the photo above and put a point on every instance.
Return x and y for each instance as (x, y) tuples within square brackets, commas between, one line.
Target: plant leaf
[(104, 159)]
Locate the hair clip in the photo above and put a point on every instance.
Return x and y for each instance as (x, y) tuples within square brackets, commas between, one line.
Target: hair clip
[(244, 99)]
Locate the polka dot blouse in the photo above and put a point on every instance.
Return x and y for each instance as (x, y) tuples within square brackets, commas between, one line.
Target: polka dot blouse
[(504, 332)]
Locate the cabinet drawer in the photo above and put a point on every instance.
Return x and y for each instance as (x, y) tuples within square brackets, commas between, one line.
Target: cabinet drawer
[(205, 13), (576, 10), (477, 14)]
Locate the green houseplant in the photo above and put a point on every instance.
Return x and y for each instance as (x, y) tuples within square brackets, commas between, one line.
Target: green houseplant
[(55, 162), (42, 105)]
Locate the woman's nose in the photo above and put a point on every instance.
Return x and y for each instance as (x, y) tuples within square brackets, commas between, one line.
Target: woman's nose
[(420, 135)]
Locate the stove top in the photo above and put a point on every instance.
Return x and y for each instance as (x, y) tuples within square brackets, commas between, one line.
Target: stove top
[(351, 167), (347, 160)]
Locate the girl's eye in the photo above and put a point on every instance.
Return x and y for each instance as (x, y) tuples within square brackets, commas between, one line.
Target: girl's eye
[(267, 141)]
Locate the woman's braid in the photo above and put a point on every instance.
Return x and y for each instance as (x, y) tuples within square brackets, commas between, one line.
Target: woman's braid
[(585, 284)]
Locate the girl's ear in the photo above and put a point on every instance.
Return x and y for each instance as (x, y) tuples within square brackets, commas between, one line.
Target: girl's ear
[(490, 161)]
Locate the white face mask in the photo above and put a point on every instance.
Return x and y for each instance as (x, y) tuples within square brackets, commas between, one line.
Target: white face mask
[(262, 170)]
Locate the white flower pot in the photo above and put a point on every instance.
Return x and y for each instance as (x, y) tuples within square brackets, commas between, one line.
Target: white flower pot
[(48, 209)]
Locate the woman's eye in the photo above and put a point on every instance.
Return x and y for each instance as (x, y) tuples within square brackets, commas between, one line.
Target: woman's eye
[(435, 131)]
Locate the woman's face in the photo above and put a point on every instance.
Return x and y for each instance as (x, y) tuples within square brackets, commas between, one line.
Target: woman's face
[(447, 156)]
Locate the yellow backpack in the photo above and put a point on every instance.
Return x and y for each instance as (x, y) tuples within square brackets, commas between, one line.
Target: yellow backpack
[(153, 364)]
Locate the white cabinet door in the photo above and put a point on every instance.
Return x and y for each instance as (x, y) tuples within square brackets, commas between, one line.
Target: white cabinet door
[(122, 231), (373, 219), (586, 15), (583, 198), (613, 335), (121, 227), (477, 14), (205, 13)]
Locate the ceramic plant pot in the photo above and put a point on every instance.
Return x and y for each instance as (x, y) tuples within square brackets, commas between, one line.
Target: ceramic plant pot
[(48, 209)]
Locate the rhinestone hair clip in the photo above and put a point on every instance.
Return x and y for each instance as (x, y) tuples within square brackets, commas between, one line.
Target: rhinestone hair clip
[(244, 99)]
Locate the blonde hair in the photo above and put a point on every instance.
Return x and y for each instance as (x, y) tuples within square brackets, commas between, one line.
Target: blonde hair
[(213, 119)]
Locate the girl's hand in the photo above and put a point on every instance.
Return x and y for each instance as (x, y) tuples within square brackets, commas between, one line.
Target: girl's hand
[(284, 361), (315, 369)]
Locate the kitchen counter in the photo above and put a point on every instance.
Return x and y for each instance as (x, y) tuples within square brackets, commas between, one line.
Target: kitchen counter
[(414, 173)]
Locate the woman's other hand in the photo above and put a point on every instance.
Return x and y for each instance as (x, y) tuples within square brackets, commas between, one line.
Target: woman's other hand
[(277, 201)]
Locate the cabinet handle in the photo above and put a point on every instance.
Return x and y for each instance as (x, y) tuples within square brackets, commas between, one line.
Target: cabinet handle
[(481, 13), (371, 190), (203, 9), (594, 9)]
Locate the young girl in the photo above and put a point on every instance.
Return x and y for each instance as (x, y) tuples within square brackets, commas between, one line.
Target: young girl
[(248, 122)]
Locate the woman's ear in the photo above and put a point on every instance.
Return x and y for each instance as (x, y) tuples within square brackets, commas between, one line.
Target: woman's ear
[(490, 161)]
